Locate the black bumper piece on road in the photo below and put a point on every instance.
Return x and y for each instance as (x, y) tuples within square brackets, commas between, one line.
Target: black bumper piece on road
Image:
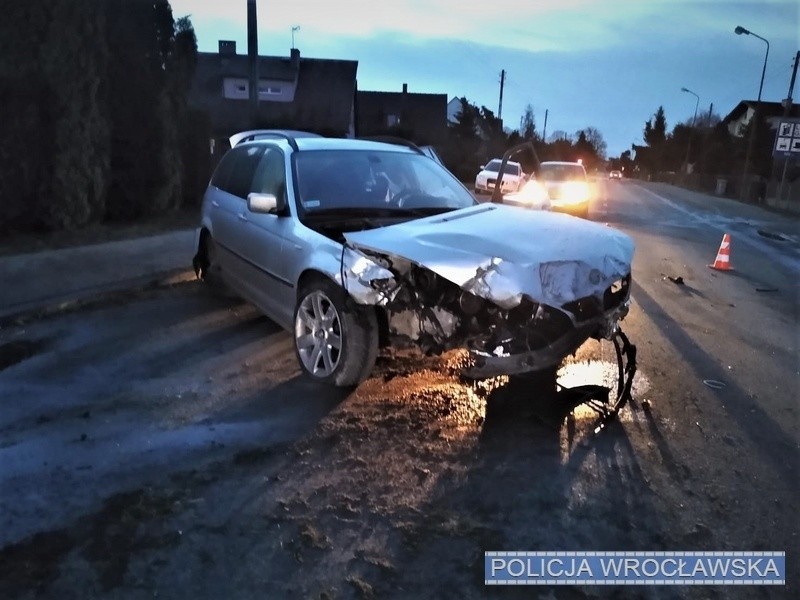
[(597, 397)]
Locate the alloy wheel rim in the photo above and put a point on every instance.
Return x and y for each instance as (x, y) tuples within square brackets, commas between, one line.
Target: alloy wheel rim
[(318, 334)]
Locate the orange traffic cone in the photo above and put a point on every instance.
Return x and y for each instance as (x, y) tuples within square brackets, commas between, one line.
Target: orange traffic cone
[(723, 260)]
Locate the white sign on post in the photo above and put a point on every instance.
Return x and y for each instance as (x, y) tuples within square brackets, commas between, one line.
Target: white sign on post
[(783, 144), (787, 140)]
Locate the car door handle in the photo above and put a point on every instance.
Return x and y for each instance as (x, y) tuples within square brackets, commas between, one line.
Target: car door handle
[(215, 204), (242, 217)]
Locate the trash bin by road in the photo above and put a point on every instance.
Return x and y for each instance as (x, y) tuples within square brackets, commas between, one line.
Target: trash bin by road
[(721, 185)]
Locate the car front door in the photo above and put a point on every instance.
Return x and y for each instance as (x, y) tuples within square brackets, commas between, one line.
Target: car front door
[(265, 239)]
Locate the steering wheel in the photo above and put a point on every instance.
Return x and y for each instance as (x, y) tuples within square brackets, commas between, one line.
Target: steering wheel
[(402, 197)]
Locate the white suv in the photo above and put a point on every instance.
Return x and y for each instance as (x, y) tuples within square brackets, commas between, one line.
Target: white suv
[(513, 177)]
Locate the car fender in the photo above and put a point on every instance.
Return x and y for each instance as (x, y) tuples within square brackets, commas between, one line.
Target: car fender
[(205, 224), (325, 259)]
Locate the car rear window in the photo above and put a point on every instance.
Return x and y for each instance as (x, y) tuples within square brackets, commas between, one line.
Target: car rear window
[(562, 172), (510, 169), (235, 172)]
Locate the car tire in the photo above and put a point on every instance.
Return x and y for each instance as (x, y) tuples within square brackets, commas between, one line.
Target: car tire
[(208, 268), (335, 339)]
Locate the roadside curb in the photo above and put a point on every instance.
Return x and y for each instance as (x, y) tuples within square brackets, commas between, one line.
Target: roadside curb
[(94, 296)]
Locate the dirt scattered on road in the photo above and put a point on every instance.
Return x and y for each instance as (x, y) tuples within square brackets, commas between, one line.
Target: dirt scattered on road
[(243, 479)]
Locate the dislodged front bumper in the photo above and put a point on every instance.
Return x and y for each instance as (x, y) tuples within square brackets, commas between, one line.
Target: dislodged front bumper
[(551, 355)]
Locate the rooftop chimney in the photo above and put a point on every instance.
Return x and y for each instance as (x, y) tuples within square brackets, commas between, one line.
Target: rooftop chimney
[(227, 47), (252, 57), (405, 88), (294, 56)]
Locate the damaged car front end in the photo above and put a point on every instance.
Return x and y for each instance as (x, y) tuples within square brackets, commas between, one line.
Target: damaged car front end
[(520, 301)]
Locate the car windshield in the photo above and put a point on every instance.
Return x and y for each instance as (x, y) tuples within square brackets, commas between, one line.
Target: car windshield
[(494, 166), (561, 172), (336, 181)]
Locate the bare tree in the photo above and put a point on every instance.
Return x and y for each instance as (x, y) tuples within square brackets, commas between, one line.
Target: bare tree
[(595, 138), (559, 136), (527, 124)]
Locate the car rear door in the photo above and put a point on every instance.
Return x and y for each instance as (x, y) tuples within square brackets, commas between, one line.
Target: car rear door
[(229, 208)]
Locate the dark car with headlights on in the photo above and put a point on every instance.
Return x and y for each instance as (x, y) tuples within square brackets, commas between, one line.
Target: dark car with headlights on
[(567, 187)]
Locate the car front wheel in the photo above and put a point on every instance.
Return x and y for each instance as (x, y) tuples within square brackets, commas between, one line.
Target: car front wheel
[(207, 268), (336, 340)]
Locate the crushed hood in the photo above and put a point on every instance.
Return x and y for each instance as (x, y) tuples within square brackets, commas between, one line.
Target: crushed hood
[(502, 253)]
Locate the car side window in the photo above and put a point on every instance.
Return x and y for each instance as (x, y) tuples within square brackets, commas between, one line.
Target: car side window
[(247, 158), (270, 174), (222, 173)]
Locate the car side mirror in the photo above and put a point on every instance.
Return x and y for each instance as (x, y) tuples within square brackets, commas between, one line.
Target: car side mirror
[(262, 203), (483, 167)]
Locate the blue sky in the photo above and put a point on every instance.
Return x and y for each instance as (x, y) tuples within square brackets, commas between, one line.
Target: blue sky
[(606, 64)]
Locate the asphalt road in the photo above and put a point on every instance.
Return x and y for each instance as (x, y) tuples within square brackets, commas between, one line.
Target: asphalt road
[(167, 446)]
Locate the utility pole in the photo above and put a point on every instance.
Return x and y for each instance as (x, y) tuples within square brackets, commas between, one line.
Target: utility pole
[(704, 158), (787, 107), (252, 58), (502, 83), (544, 131)]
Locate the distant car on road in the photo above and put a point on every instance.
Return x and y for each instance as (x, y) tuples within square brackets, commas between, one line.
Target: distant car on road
[(567, 187), (615, 175), (513, 177)]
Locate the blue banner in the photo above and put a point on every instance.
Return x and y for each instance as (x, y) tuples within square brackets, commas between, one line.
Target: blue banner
[(635, 568)]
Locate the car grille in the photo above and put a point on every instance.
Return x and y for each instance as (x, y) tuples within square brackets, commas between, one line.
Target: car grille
[(506, 182)]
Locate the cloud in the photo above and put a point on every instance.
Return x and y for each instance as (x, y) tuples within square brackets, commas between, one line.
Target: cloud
[(605, 64), (566, 25)]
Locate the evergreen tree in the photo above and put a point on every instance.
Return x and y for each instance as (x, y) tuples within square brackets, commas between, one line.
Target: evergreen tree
[(461, 152), (74, 65), (655, 130), (465, 129), (194, 125), (585, 151), (101, 127), (23, 91), (145, 157), (655, 136), (495, 138)]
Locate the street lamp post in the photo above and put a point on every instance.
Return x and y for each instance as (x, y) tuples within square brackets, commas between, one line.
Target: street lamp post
[(691, 131), (754, 121)]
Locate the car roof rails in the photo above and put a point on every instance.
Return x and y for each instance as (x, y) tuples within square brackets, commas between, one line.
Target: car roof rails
[(287, 134), (389, 139)]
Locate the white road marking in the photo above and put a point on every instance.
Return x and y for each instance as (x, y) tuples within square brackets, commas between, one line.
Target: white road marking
[(724, 225)]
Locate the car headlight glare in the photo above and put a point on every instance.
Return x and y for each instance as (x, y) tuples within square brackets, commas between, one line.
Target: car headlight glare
[(575, 192)]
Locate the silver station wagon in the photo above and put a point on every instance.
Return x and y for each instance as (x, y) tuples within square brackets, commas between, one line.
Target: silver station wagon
[(352, 245)]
